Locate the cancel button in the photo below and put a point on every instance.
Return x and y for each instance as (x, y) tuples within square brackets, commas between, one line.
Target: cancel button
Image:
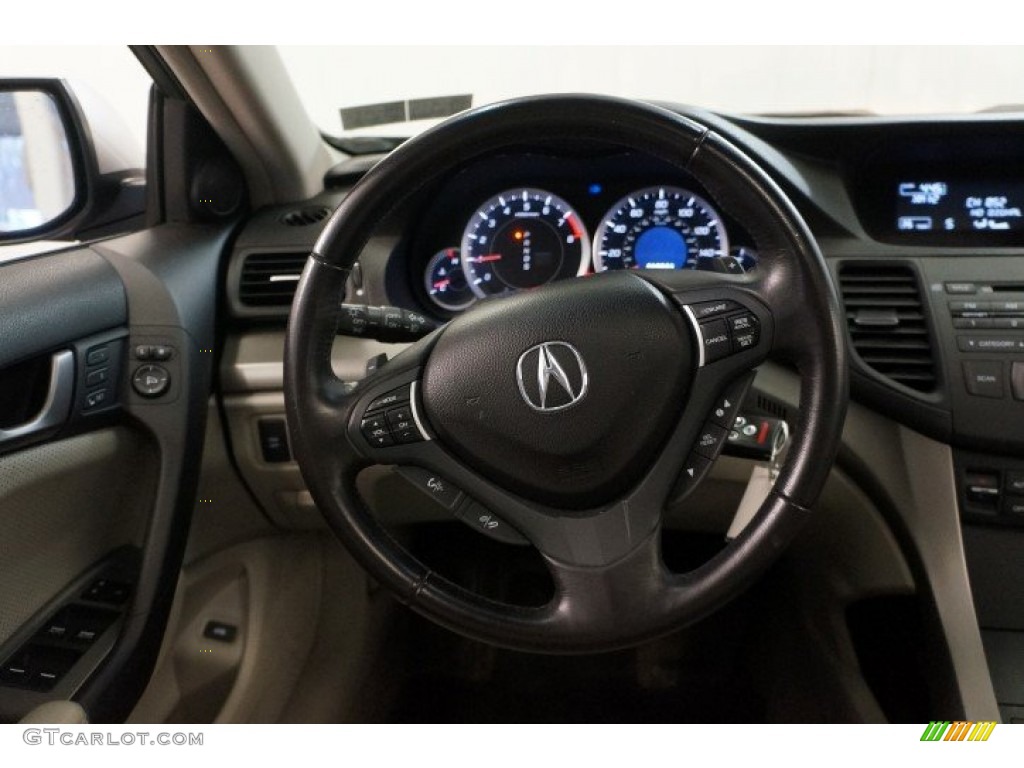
[(984, 378)]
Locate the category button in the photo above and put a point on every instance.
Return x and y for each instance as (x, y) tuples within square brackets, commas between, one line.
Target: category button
[(986, 344)]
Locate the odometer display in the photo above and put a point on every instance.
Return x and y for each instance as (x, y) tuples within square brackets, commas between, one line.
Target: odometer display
[(522, 238), (659, 228)]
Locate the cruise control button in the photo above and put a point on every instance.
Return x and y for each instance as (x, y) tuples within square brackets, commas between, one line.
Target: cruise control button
[(716, 340), (710, 440), (411, 435), (709, 309), (434, 486), (741, 323), (395, 396), (984, 378)]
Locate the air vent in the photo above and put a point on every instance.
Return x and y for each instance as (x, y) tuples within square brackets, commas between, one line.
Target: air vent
[(269, 279), (304, 217), (887, 322)]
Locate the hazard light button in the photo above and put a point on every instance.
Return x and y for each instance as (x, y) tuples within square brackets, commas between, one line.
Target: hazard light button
[(151, 380)]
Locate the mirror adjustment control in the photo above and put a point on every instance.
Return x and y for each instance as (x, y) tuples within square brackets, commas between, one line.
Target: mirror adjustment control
[(151, 380)]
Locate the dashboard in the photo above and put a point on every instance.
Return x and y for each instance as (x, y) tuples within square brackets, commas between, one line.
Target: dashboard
[(919, 221)]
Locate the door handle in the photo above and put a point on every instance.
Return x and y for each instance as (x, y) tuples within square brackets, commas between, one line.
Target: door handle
[(57, 405)]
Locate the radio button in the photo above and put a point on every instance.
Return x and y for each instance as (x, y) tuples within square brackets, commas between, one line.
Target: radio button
[(984, 378)]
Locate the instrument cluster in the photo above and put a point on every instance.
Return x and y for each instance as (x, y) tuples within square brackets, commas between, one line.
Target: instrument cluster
[(521, 237)]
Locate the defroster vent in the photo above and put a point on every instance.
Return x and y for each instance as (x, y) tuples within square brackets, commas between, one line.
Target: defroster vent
[(269, 279), (887, 322)]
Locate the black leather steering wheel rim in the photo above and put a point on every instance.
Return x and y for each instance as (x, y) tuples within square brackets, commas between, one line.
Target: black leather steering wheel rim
[(615, 592)]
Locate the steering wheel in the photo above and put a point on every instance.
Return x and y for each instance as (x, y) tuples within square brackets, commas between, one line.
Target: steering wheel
[(571, 415)]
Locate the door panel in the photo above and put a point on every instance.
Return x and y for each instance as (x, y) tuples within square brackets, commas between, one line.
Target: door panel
[(94, 508)]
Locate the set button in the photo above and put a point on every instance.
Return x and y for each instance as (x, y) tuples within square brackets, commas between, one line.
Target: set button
[(729, 335)]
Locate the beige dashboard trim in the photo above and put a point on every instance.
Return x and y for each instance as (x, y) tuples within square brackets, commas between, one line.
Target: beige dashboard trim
[(253, 361), (917, 474)]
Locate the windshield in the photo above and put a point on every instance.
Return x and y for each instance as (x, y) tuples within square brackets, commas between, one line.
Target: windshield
[(337, 81)]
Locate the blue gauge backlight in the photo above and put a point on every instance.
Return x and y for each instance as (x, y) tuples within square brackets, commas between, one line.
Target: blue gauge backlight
[(660, 248)]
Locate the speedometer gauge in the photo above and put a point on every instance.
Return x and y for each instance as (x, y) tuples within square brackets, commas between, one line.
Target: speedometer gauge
[(523, 238), (659, 228)]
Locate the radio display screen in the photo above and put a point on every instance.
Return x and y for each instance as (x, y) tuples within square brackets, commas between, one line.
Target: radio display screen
[(948, 206)]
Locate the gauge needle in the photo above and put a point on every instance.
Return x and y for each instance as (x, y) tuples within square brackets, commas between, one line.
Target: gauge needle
[(440, 285), (488, 257)]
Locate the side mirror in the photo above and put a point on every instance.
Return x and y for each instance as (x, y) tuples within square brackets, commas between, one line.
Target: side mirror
[(52, 185)]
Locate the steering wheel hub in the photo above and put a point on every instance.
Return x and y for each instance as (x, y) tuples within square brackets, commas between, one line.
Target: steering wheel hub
[(564, 394)]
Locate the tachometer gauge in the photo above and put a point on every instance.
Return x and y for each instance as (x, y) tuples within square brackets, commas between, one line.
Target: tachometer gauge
[(446, 282), (523, 238), (659, 228)]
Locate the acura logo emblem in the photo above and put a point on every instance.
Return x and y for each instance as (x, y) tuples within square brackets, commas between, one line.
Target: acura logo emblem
[(551, 376)]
